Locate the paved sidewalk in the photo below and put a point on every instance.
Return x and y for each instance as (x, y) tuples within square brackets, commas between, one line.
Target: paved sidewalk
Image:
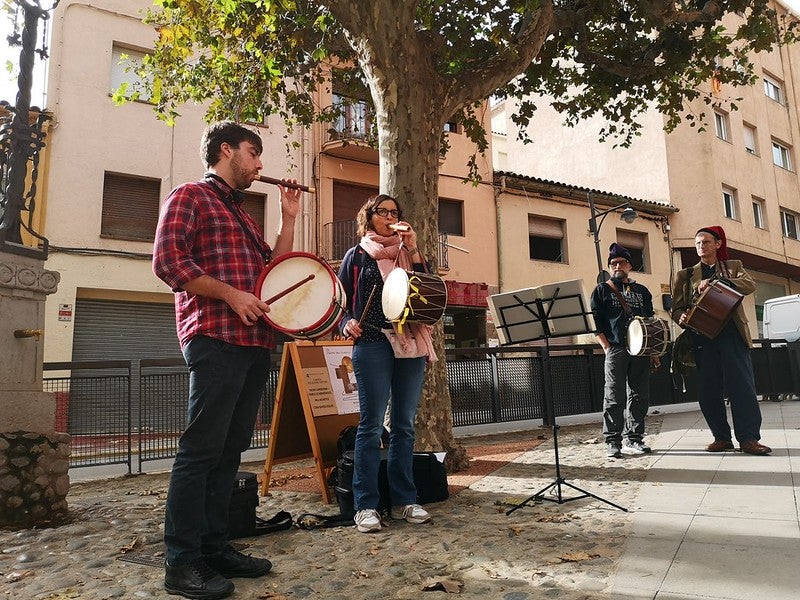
[(716, 526)]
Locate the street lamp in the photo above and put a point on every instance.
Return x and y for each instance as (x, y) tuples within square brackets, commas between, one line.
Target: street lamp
[(628, 215)]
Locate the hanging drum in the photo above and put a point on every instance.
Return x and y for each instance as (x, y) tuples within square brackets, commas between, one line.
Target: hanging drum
[(409, 296), (647, 336), (305, 297)]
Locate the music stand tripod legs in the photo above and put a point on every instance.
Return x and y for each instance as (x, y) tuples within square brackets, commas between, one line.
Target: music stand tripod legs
[(529, 315), (557, 483)]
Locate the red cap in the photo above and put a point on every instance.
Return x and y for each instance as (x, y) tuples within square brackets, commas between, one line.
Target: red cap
[(719, 234)]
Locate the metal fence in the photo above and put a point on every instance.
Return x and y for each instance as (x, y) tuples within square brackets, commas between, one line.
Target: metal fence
[(130, 412)]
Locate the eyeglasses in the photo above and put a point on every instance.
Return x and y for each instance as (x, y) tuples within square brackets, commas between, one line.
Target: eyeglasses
[(618, 263), (385, 212)]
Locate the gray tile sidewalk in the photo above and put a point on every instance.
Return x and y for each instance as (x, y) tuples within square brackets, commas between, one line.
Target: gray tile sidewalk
[(716, 526)]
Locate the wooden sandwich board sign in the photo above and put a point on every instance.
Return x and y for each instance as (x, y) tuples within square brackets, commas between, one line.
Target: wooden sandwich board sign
[(316, 398)]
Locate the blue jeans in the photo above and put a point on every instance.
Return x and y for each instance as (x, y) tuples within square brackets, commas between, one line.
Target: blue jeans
[(627, 395), (724, 367), (226, 383), (379, 374)]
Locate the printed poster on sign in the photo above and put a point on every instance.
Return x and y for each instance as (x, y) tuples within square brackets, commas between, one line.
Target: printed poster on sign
[(343, 381)]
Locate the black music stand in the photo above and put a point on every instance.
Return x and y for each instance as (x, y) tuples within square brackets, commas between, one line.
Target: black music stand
[(545, 312)]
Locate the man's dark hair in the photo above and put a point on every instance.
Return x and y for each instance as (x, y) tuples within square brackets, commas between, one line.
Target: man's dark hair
[(229, 132)]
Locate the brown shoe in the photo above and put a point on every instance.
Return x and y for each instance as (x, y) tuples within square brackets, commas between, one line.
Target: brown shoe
[(753, 447), (719, 446)]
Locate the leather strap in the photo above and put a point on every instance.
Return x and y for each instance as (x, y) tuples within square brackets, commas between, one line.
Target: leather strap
[(226, 200), (622, 301)]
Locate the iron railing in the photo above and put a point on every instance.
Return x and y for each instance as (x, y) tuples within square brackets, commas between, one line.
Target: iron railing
[(130, 412)]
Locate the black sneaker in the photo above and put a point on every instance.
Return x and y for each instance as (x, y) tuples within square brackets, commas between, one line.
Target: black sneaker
[(196, 580), (613, 450), (636, 447), (232, 563)]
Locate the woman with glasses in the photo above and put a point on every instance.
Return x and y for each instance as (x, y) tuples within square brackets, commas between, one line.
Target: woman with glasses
[(386, 242)]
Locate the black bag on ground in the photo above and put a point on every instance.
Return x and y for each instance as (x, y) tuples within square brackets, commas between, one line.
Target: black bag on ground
[(430, 479), (242, 519)]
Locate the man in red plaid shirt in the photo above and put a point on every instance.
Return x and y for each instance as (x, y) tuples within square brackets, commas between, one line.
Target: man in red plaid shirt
[(210, 252)]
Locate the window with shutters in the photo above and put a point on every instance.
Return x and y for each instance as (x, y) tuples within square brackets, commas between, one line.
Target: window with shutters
[(773, 89), (546, 239), (781, 156), (730, 203), (130, 207), (758, 213), (749, 134), (451, 217), (124, 78), (790, 221), (636, 244), (253, 205), (722, 125)]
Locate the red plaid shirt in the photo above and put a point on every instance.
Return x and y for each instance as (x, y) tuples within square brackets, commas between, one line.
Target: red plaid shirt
[(198, 235)]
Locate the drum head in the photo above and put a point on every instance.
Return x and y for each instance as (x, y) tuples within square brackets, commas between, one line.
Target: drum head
[(308, 306), (395, 294), (636, 335)]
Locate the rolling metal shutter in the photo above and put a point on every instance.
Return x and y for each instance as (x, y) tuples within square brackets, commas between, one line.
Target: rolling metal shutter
[(112, 330)]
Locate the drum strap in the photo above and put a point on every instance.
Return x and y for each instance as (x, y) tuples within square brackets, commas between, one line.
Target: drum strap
[(226, 200), (625, 306)]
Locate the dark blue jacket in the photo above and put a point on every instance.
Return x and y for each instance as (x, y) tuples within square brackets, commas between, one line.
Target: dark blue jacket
[(609, 316), (357, 295)]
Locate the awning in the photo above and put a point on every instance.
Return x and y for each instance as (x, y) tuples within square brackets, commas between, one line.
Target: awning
[(460, 293)]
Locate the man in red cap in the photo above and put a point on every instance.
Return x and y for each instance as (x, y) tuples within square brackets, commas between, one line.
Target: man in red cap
[(723, 363)]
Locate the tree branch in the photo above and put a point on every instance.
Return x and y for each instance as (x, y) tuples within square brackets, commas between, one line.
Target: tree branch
[(479, 81)]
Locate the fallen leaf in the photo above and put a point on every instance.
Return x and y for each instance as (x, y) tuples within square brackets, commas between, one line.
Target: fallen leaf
[(360, 574), (131, 546), (553, 519), (17, 575), (577, 556), (279, 481), (516, 530), (447, 584)]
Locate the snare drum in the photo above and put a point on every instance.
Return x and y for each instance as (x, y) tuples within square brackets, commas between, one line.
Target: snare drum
[(409, 296), (311, 309), (647, 336)]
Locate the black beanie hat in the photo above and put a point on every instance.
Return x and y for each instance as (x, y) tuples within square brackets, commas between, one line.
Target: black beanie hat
[(617, 251)]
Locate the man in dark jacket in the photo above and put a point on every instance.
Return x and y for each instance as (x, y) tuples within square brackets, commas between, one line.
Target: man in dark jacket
[(627, 378)]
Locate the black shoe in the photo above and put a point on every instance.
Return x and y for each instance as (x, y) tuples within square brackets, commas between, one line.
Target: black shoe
[(232, 563), (196, 580)]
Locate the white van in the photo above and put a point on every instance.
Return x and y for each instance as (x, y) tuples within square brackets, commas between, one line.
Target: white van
[(782, 318)]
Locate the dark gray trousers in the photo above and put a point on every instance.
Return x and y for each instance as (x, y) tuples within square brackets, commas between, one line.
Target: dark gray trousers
[(627, 395)]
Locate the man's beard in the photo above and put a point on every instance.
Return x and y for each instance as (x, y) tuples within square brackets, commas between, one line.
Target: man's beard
[(242, 178)]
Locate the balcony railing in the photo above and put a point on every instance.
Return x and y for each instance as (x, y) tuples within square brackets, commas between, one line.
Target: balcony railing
[(340, 236), (355, 123)]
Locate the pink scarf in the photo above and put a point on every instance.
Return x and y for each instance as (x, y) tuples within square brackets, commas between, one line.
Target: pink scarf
[(389, 254)]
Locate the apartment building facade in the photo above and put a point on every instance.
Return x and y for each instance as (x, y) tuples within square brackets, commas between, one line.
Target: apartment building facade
[(110, 167), (740, 173)]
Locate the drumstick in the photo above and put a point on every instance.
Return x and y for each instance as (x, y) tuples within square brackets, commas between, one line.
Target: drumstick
[(291, 288), (367, 305), (298, 186)]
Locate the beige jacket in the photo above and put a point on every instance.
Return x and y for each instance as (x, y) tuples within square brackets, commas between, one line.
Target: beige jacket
[(682, 300)]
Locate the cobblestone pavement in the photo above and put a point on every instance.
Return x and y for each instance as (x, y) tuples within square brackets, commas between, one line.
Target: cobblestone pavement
[(546, 549)]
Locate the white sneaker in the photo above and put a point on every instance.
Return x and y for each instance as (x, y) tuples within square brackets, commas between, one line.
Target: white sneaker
[(413, 513), (368, 520)]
